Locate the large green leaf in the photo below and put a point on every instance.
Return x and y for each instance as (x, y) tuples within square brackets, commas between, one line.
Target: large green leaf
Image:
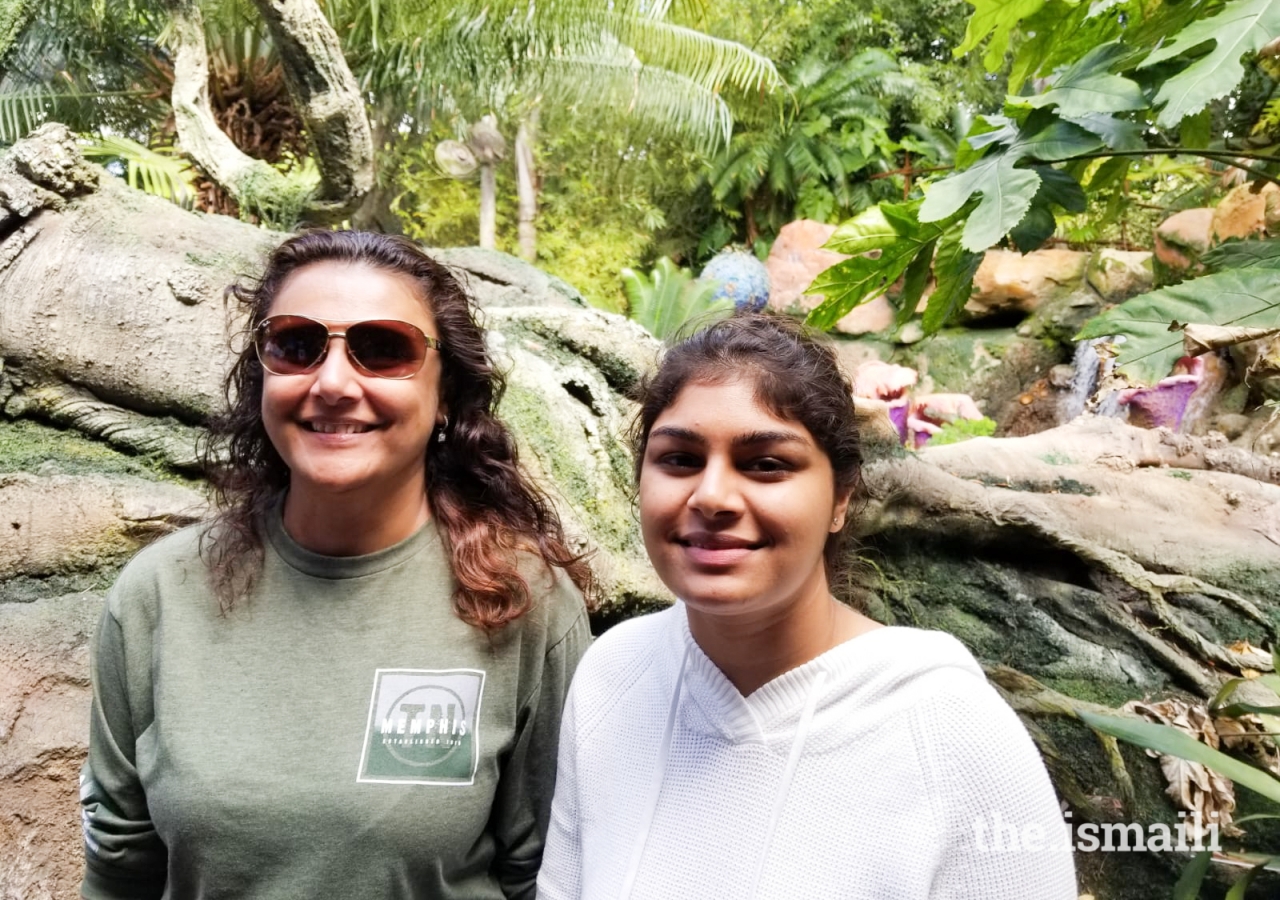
[(869, 230), (1064, 31), (859, 279), (997, 18), (1057, 140), (1087, 87), (1118, 134), (1242, 26), (914, 280), (1168, 740), (1006, 191), (1242, 297), (954, 269), (1239, 254)]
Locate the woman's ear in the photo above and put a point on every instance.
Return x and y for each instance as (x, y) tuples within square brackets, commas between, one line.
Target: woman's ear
[(840, 511)]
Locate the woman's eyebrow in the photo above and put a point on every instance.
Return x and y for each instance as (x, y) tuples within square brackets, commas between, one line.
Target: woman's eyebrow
[(677, 433), (751, 437), (768, 437)]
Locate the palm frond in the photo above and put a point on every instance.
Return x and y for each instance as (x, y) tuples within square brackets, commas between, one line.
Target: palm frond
[(667, 102), (708, 61), (802, 160), (741, 169), (22, 110), (159, 171)]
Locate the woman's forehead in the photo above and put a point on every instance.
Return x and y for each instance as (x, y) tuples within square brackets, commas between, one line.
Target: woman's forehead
[(344, 291)]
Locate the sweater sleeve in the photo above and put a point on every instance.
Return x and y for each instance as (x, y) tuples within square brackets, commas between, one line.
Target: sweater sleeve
[(124, 857), (561, 875), (522, 806), (1001, 830)]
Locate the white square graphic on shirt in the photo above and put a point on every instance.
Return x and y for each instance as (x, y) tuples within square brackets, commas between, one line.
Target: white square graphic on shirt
[(423, 727)]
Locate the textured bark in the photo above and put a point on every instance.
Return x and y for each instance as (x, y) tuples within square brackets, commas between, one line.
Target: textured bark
[(323, 90), (488, 207), (527, 186), (327, 97), (1148, 518)]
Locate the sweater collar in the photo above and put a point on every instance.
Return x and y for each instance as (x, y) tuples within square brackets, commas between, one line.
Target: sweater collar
[(862, 666)]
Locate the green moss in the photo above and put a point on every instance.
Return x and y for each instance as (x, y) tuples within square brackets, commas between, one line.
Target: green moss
[(1057, 486), (962, 430), (26, 446), (611, 522), (276, 199), (1180, 473), (955, 357), (1105, 693), (27, 589), (13, 18), (973, 632)]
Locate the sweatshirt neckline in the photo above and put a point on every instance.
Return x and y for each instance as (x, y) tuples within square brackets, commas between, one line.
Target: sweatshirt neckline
[(780, 700), (319, 565)]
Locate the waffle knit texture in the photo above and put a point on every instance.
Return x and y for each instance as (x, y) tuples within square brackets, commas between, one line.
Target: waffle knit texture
[(909, 748), (340, 734)]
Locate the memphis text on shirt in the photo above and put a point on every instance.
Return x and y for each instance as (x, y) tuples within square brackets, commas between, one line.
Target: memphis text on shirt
[(995, 835), (412, 729)]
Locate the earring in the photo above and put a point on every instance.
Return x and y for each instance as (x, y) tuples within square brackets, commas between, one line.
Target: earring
[(440, 436)]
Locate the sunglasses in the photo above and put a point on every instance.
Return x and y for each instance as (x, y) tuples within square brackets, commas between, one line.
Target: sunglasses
[(385, 348)]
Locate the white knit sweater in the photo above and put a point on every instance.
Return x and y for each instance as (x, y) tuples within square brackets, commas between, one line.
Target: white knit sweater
[(906, 749)]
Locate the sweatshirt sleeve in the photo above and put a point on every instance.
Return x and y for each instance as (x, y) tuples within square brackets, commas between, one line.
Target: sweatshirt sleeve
[(522, 806), (1001, 829), (124, 857), (561, 874)]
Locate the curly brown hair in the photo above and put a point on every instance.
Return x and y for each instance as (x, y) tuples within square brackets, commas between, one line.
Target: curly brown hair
[(796, 376), (489, 512)]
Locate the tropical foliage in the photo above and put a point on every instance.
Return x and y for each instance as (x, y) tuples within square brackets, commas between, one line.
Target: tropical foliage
[(1117, 82), (872, 98), (1248, 773), (669, 299)]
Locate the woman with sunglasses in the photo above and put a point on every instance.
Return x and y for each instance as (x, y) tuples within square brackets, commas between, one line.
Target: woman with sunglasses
[(349, 682), (761, 739)]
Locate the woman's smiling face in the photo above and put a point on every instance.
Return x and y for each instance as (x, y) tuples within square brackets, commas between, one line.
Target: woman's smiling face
[(736, 503), (340, 430)]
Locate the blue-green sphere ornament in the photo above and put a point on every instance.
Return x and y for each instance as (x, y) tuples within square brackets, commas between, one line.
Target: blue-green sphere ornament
[(742, 279)]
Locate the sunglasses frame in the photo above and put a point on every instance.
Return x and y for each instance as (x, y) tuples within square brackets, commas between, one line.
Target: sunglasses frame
[(259, 333)]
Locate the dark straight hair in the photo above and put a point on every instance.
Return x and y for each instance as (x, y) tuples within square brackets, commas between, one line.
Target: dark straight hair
[(488, 510)]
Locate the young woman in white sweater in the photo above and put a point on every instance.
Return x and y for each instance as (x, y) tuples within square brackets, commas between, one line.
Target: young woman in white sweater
[(761, 739)]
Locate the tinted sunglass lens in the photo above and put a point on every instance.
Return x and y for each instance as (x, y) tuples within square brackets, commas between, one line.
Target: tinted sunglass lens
[(294, 346), (389, 349)]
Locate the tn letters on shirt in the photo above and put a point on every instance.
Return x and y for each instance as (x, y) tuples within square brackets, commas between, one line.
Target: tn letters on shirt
[(423, 727)]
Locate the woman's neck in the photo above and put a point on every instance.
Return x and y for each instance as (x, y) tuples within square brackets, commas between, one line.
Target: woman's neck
[(752, 651), (355, 525)]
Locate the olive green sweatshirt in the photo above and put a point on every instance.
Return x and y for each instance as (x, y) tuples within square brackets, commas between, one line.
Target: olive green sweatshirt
[(341, 734)]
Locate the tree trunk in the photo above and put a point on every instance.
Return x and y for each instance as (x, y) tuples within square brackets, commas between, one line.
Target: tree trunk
[(488, 207), (374, 212), (527, 185), (324, 93), (327, 98)]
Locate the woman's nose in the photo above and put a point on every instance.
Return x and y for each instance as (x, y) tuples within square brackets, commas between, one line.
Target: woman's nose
[(336, 378), (717, 490)]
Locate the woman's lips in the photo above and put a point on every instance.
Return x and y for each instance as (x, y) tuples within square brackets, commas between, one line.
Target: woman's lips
[(716, 550)]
